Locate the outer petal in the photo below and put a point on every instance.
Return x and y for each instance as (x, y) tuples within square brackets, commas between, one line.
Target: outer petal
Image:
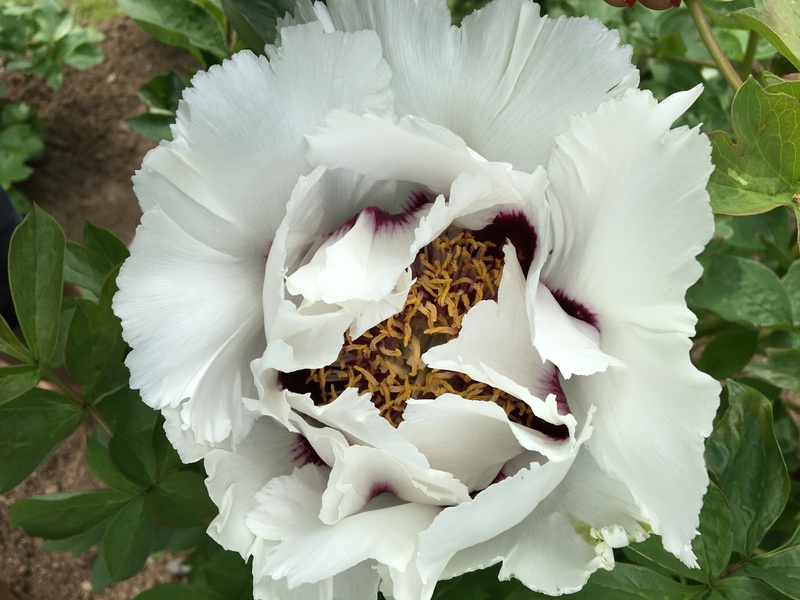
[(171, 284), (651, 422), (309, 551), (269, 451), (232, 163), (626, 229), (360, 421), (505, 70), (568, 535), (213, 199), (625, 238), (499, 507)]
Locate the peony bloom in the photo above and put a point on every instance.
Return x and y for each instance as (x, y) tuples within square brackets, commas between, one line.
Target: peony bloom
[(415, 294)]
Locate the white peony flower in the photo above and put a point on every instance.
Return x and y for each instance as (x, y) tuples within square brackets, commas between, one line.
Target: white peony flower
[(415, 293)]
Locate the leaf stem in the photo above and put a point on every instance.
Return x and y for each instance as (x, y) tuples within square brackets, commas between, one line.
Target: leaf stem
[(77, 399), (704, 29), (746, 68)]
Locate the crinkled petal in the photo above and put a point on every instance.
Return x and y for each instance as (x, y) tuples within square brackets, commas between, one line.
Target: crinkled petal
[(234, 477), (312, 336), (506, 70), (469, 438), (626, 229), (568, 536), (651, 422), (172, 283), (232, 164), (625, 236), (309, 551), (411, 150), (361, 423), (362, 473), (496, 509)]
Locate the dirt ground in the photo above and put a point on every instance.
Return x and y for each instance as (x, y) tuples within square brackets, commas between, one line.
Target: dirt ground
[(84, 174)]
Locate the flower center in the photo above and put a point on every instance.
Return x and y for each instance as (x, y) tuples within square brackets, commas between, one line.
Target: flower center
[(453, 273)]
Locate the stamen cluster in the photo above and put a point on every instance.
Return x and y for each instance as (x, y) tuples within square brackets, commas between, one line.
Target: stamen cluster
[(453, 273)]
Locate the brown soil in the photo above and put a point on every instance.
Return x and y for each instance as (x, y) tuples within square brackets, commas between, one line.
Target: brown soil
[(84, 174)]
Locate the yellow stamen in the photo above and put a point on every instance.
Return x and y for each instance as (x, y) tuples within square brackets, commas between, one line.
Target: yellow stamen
[(454, 273)]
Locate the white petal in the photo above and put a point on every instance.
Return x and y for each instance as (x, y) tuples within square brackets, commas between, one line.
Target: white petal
[(568, 536), (189, 311), (505, 71), (411, 150), (310, 551), (360, 421), (625, 238), (184, 440), (651, 422), (569, 343), (496, 509), (233, 162), (361, 474), (181, 439), (494, 347), (364, 263), (468, 438), (234, 477), (631, 212), (310, 335)]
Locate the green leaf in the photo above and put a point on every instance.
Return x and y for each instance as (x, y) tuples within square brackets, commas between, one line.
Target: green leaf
[(87, 265), (181, 501), (10, 344), (779, 23), (36, 259), (94, 350), (101, 578), (788, 436), (131, 448), (31, 427), (170, 591), (127, 541), (779, 568), (155, 127), (744, 588), (228, 575), (179, 23), (163, 93), (625, 582), (770, 231), (745, 461), (478, 585), (791, 282), (728, 353), (16, 380), (780, 368), (59, 516), (743, 291), (100, 463), (255, 20), (78, 544), (712, 547), (761, 170)]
